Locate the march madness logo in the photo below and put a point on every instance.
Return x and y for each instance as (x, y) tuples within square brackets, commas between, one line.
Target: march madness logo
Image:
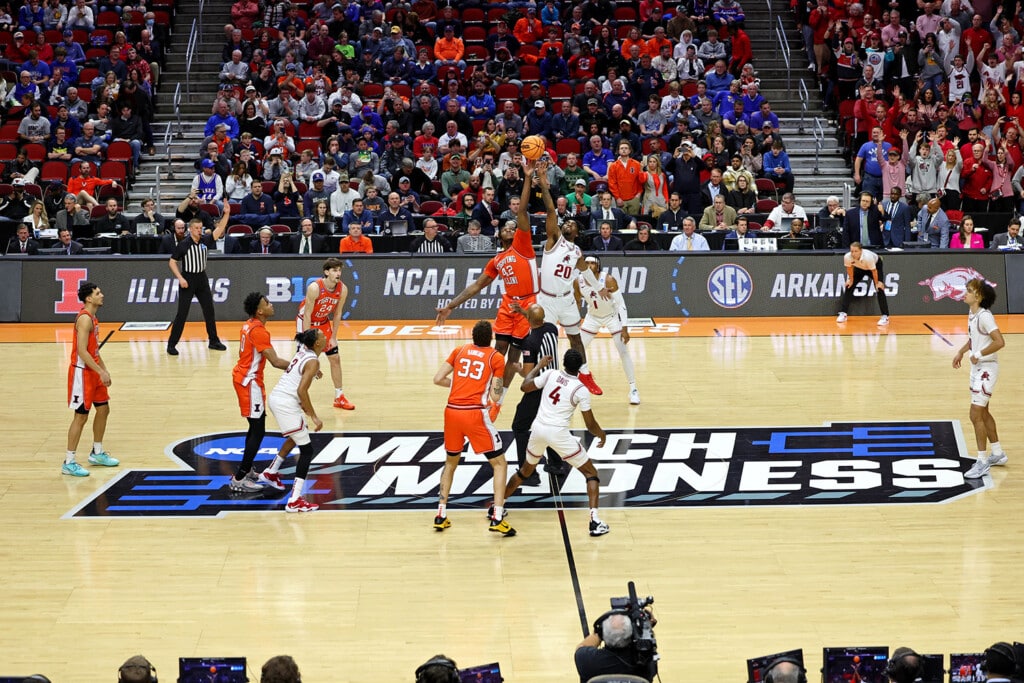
[(840, 463)]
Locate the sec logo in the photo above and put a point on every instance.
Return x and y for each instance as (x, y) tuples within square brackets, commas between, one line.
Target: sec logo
[(730, 285)]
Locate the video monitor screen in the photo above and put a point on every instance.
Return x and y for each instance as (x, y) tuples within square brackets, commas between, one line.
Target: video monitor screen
[(934, 671), (485, 673), (756, 666), (212, 670), (965, 667), (855, 664)]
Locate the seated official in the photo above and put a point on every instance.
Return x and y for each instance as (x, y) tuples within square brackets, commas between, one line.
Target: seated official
[(1011, 240), (606, 211), (474, 241), (430, 242), (170, 239), (690, 240), (392, 212), (797, 231), (718, 216), (741, 231), (23, 243), (604, 240), (68, 246), (307, 242), (265, 243), (355, 241), (113, 221), (149, 217), (643, 241), (619, 654)]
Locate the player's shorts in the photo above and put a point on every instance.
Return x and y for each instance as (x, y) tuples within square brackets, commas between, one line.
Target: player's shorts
[(473, 424), (85, 389), (983, 381), (561, 310), (592, 324), (559, 439), (324, 327), (511, 325), (290, 418), (252, 399)]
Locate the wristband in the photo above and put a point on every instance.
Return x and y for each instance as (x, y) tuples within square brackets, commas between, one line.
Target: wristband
[(976, 355)]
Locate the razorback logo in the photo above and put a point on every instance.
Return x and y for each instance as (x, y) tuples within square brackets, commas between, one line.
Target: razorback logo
[(952, 284)]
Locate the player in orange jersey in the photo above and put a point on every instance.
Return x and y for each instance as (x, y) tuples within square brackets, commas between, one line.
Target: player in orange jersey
[(254, 350), (88, 380), (516, 264), (473, 371), (321, 309)]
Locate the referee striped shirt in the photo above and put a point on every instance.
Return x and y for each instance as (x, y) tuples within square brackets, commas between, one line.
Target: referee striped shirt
[(192, 255), (434, 246)]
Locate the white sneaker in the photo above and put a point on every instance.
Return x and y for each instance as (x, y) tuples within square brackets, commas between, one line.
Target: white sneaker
[(841, 318), (978, 470), (997, 460), (883, 321), (634, 397)]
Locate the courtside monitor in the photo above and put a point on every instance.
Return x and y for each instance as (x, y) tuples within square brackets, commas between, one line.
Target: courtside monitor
[(965, 667), (934, 669), (485, 673), (756, 666), (212, 670), (854, 664)]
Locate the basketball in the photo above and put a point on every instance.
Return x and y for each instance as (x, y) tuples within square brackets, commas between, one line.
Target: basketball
[(532, 147), (856, 659)]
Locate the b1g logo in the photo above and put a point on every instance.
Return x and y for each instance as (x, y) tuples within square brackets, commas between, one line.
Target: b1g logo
[(841, 463), (730, 285)]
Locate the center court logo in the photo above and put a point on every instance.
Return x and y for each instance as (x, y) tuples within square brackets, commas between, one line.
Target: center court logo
[(840, 463), (730, 285)]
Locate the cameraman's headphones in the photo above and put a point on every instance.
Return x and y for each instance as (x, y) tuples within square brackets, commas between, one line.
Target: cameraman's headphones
[(766, 674), (999, 659), (908, 676), (442, 661), (137, 662), (599, 623)]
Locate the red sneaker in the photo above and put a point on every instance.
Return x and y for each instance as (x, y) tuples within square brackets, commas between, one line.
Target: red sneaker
[(272, 479), (590, 384), (343, 403), (300, 504), (493, 409)]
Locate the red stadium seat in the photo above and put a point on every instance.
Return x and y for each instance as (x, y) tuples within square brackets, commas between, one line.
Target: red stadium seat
[(54, 170)]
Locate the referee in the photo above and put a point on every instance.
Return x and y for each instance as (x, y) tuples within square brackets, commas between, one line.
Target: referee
[(188, 263)]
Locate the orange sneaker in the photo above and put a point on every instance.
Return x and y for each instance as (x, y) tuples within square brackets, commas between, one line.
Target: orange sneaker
[(493, 409), (343, 403)]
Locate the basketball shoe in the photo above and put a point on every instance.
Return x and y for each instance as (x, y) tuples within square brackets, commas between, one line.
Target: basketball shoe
[(634, 397), (997, 460), (441, 523), (590, 384), (343, 403), (841, 318), (74, 469), (883, 321), (300, 504), (490, 512), (500, 526), (103, 459), (979, 469), (247, 484), (271, 479), (598, 528)]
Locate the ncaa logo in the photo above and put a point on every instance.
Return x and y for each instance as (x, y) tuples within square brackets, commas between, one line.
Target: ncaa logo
[(730, 285)]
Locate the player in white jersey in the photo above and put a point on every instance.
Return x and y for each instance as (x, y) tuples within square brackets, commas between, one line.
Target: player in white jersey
[(288, 401), (984, 342), (608, 313), (562, 261), (563, 392)]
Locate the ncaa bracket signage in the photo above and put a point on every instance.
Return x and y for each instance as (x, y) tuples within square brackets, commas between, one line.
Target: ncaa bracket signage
[(849, 463)]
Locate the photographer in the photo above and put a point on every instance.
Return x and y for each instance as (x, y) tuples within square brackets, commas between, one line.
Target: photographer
[(619, 654)]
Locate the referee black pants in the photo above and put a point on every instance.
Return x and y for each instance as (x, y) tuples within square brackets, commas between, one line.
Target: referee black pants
[(858, 275), (198, 287)]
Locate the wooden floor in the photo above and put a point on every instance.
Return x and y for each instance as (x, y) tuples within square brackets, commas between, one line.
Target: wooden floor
[(368, 596)]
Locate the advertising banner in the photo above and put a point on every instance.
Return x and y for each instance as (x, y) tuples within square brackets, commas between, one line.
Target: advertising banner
[(396, 287)]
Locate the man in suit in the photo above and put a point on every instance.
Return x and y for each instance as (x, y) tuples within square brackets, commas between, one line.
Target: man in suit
[(22, 242), (265, 243), (69, 246), (482, 213), (607, 211), (718, 216), (605, 240), (863, 221), (933, 225), (306, 242), (1010, 240), (896, 216), (712, 188)]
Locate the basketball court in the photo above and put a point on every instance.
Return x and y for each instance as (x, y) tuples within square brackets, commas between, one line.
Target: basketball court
[(785, 483)]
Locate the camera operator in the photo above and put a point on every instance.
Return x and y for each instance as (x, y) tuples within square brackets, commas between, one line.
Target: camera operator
[(619, 654)]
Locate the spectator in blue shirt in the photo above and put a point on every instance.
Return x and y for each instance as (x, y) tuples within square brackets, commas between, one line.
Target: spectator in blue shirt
[(776, 166), (553, 68), (224, 116), (258, 209), (480, 105), (360, 216), (719, 78), (75, 51), (538, 121), (595, 162), (764, 115)]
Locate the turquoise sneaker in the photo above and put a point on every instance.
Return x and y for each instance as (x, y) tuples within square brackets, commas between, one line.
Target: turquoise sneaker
[(103, 459), (74, 469)]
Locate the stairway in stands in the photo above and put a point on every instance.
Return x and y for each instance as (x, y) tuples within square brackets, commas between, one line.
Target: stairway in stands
[(798, 107), (198, 90)]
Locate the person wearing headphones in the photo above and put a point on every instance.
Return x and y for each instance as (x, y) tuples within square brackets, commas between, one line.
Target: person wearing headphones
[(999, 663), (784, 670), (280, 669), (137, 669), (438, 669), (905, 666), (618, 656)]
